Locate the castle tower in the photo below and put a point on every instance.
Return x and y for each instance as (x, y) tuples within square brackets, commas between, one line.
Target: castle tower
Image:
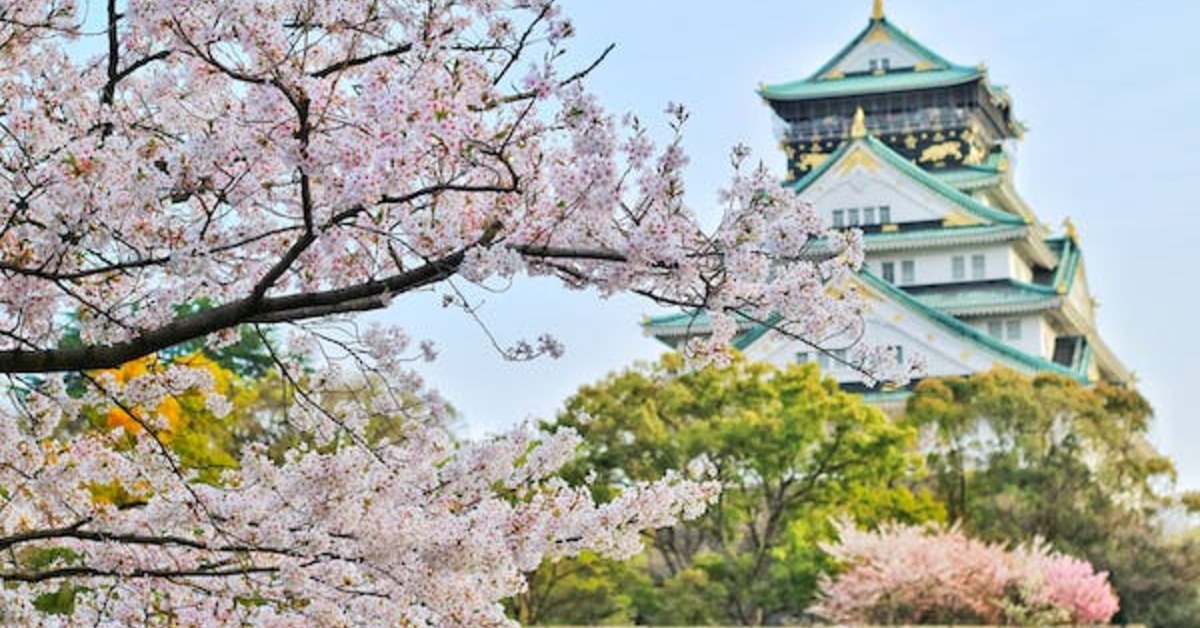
[(934, 113), (893, 139)]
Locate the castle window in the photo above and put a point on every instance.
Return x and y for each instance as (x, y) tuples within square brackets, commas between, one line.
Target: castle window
[(885, 214), (873, 64), (823, 360), (837, 358), (978, 266), (852, 215), (1013, 329), (995, 329), (958, 267), (802, 357), (839, 218), (889, 272), (831, 359), (908, 271), (885, 63), (868, 215)]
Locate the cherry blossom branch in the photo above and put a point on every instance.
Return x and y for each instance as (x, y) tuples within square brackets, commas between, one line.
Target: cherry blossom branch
[(218, 570), (347, 64), (237, 162), (369, 295), (76, 533)]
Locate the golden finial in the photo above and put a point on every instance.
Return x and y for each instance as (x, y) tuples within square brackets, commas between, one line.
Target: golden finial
[(1071, 231), (877, 13), (858, 128)]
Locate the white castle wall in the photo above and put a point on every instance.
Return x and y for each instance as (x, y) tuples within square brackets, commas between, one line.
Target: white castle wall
[(936, 266), (875, 186), (1036, 336), (890, 325)]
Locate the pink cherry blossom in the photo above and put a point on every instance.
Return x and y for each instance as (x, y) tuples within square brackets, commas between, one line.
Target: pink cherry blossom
[(254, 164)]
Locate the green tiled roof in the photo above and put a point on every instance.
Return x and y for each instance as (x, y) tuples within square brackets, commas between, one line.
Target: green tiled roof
[(1068, 263), (968, 178), (940, 72), (695, 319), (984, 298), (929, 181), (894, 81), (968, 332), (679, 319), (946, 236), (988, 173), (1084, 364), (915, 173), (697, 322), (881, 241)]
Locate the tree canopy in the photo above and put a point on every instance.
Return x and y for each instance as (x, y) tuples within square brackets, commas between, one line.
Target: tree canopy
[(1015, 457), (791, 452)]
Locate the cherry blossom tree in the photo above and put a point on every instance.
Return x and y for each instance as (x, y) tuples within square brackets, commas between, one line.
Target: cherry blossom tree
[(277, 166)]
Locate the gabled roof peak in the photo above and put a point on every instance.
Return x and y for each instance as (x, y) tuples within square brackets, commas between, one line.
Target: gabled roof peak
[(881, 32), (872, 145), (880, 53)]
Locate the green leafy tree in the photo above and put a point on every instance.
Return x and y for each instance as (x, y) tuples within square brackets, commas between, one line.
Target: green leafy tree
[(792, 452), (246, 372), (602, 592), (1014, 457)]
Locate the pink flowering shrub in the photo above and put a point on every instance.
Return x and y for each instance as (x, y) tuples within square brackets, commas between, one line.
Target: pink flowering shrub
[(1072, 583), (910, 575)]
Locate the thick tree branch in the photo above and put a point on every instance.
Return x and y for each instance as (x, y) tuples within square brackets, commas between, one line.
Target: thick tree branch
[(556, 252), (77, 533), (363, 60), (214, 571), (247, 310), (113, 53), (365, 296)]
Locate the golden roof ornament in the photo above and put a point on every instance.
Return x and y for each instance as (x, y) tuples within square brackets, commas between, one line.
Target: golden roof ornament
[(1071, 231), (858, 128), (877, 12)]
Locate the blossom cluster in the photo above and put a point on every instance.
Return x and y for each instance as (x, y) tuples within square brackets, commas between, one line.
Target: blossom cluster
[(233, 164), (424, 531), (289, 159), (909, 575)]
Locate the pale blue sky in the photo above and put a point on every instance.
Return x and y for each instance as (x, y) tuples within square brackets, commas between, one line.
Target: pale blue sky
[(1110, 93)]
